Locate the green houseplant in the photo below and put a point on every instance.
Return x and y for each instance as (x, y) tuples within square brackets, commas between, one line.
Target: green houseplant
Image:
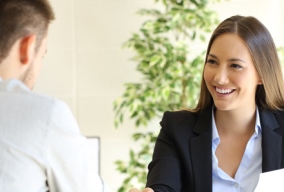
[(171, 72)]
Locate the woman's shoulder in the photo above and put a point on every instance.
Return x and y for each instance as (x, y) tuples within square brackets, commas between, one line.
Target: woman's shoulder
[(280, 112), (272, 117), (268, 112), (184, 117), (186, 122), (181, 114), (187, 113)]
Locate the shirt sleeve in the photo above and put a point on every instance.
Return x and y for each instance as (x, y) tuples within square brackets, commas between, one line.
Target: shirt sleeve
[(67, 155)]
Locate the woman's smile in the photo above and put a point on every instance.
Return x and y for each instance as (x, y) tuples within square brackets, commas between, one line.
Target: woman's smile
[(230, 74), (224, 91)]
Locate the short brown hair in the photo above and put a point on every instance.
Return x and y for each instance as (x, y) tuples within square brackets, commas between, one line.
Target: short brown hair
[(19, 18), (269, 95)]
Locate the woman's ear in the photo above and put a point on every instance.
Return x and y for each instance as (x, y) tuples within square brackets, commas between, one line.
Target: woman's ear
[(27, 49)]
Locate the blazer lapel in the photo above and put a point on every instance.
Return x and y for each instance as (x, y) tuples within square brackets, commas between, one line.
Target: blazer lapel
[(271, 142), (201, 147), (201, 151)]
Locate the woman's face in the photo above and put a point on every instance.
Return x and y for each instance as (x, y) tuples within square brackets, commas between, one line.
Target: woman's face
[(230, 74)]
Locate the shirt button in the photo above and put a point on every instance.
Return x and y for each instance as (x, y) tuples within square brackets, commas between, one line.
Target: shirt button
[(236, 185)]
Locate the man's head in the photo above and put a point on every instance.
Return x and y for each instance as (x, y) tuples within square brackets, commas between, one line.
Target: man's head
[(23, 33)]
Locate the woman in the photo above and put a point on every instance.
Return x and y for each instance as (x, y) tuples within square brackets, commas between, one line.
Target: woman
[(235, 131)]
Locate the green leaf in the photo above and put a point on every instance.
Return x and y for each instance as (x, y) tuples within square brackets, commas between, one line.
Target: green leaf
[(132, 154), (169, 70), (137, 136), (154, 60)]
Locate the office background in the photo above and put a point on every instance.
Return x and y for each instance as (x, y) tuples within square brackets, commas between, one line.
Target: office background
[(86, 66)]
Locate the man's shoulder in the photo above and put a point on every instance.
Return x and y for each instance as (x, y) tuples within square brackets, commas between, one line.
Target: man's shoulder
[(16, 98), (14, 90), (58, 113), (33, 115)]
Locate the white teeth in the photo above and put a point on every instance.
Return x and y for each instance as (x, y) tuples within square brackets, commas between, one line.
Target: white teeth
[(223, 91)]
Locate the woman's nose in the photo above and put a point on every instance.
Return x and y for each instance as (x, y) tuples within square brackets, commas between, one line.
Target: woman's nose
[(221, 76)]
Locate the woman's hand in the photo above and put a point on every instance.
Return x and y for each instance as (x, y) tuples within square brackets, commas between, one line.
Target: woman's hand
[(144, 190)]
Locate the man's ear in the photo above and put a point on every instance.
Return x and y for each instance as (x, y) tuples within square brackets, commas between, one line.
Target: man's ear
[(27, 49)]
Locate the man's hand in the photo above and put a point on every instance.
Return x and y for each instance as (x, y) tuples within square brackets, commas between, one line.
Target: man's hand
[(144, 190)]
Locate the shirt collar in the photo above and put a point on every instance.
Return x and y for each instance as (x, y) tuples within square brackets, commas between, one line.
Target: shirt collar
[(12, 84), (215, 134)]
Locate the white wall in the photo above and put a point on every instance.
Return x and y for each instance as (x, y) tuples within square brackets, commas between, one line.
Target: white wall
[(86, 67)]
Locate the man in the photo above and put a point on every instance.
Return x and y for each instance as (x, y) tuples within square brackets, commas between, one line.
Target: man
[(41, 148)]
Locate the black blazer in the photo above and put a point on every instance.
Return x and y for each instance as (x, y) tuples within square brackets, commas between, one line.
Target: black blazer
[(182, 159)]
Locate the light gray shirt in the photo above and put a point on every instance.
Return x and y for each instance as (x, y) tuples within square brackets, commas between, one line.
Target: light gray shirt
[(41, 148)]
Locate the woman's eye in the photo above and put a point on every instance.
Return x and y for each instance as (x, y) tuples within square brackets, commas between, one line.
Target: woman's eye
[(211, 61), (237, 66)]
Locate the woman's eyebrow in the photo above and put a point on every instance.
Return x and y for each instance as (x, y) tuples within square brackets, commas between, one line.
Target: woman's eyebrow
[(232, 59)]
